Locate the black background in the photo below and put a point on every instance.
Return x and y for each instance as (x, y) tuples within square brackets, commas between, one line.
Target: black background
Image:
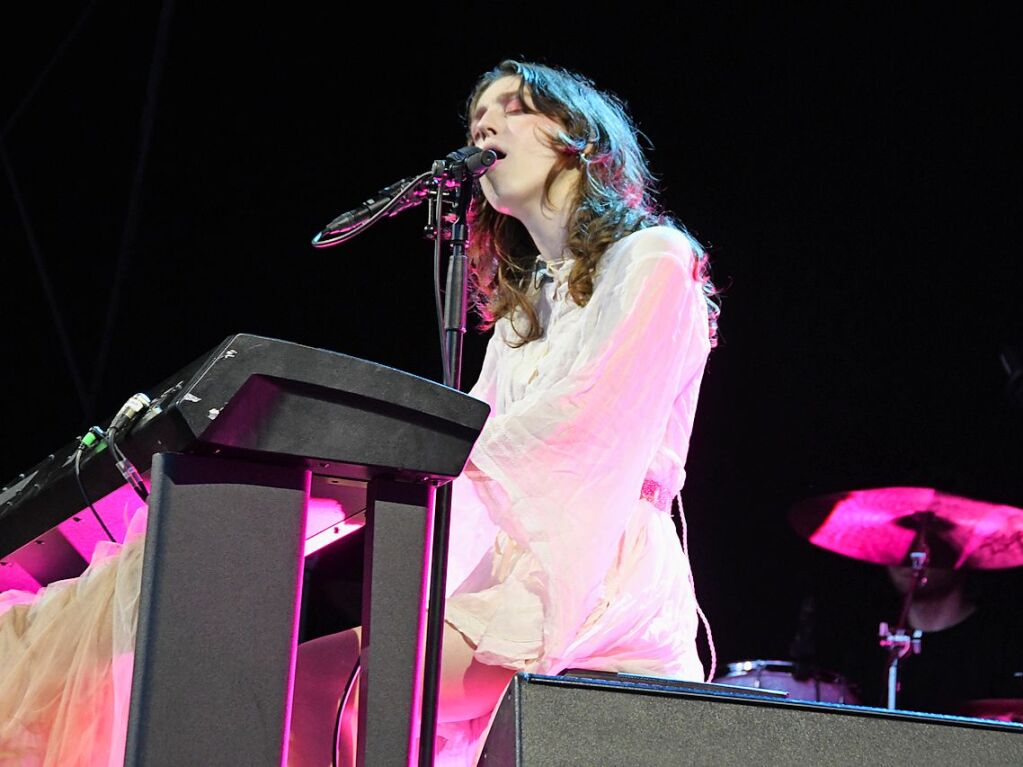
[(850, 173)]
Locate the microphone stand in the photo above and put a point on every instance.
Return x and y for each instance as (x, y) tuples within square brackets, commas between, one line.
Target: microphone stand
[(453, 227), (449, 181), (900, 641)]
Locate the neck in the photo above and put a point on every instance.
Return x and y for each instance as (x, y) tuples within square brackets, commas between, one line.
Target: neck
[(940, 613), (548, 224)]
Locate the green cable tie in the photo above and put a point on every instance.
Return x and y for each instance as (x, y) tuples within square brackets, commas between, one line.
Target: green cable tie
[(91, 438)]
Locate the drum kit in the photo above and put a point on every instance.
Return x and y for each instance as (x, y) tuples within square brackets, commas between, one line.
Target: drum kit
[(914, 527)]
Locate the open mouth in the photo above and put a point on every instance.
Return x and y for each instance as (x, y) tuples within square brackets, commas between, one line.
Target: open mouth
[(501, 154)]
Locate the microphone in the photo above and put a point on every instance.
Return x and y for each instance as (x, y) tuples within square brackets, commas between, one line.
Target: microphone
[(474, 160), (469, 161)]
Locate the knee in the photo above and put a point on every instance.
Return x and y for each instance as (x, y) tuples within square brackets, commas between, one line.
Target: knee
[(322, 668), (321, 663), (329, 649), (469, 689)]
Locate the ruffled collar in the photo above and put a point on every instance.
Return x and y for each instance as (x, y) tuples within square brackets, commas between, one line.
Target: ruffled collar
[(558, 271)]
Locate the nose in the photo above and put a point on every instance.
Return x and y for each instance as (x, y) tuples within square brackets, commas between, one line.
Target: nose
[(485, 127)]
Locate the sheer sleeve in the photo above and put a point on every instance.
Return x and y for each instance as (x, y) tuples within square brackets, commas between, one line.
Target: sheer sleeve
[(485, 388), (472, 531), (561, 468)]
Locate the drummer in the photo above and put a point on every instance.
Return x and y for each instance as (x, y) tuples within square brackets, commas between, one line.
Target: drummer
[(971, 647), (971, 650)]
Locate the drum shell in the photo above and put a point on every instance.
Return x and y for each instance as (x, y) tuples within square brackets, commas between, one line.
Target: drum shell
[(819, 685)]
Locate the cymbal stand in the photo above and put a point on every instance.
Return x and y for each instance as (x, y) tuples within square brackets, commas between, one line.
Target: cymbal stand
[(900, 641)]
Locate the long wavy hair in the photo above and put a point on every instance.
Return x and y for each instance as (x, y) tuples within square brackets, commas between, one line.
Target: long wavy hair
[(614, 198)]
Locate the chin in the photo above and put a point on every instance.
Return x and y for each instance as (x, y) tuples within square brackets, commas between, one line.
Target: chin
[(503, 203), (516, 201)]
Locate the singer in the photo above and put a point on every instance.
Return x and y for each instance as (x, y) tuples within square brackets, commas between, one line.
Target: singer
[(563, 550)]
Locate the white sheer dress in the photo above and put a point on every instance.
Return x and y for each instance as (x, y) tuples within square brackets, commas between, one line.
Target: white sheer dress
[(557, 561)]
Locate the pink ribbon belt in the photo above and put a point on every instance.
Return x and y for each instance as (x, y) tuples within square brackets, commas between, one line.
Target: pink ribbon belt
[(655, 493)]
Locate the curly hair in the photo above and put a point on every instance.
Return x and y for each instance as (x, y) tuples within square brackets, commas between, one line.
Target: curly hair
[(613, 199)]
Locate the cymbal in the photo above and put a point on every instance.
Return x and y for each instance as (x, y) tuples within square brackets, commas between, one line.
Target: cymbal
[(880, 525), (1002, 709)]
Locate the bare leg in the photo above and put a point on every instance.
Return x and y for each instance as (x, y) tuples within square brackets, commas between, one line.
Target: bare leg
[(468, 689), (322, 668)]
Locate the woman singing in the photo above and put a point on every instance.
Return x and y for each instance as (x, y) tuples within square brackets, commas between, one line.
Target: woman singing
[(563, 551)]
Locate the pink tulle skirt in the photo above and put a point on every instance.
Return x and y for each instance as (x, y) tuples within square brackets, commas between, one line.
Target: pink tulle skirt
[(66, 662)]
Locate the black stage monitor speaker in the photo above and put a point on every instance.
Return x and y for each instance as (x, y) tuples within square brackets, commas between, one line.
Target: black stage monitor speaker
[(638, 721)]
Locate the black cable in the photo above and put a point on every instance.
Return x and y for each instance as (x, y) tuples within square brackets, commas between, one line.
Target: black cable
[(340, 709), (23, 212), (41, 77), (436, 222), (437, 243), (402, 198), (125, 466), (44, 278), (95, 431), (128, 233)]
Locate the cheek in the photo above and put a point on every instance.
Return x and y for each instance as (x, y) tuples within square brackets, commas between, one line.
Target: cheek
[(539, 159), (542, 138)]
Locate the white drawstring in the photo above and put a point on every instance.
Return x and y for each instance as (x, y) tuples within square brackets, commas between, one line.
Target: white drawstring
[(692, 584)]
